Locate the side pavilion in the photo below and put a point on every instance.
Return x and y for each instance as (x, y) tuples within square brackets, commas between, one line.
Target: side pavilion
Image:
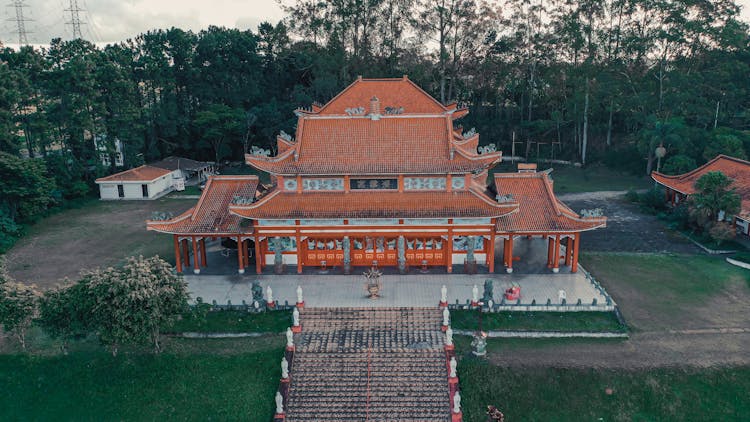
[(379, 176)]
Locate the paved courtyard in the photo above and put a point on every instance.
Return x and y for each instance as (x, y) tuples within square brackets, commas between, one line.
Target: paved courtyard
[(417, 290)]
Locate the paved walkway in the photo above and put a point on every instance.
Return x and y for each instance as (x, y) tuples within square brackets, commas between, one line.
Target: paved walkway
[(369, 365), (397, 290)]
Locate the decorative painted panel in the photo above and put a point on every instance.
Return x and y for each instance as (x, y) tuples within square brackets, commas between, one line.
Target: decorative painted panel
[(424, 183), (323, 184), (458, 182), (321, 222), (374, 221), (472, 221), (287, 244), (425, 221), (274, 222), (290, 184), (358, 184), (460, 243)]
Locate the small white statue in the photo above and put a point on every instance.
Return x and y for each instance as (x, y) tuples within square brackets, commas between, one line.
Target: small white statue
[(453, 365), (490, 304), (456, 402), (269, 295), (446, 317), (443, 294), (449, 336), (280, 403), (295, 317), (284, 368), (289, 337), (299, 294), (475, 294)]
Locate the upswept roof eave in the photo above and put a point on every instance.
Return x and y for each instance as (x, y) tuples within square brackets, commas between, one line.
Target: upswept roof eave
[(150, 224)]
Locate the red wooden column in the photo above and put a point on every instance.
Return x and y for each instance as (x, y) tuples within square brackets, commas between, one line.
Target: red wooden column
[(196, 257), (550, 251), (491, 251), (177, 253), (556, 256), (186, 252), (568, 251), (240, 255), (258, 257), (204, 261), (574, 265)]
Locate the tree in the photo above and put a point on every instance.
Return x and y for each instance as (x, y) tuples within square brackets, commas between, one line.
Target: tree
[(132, 304), (25, 191), (724, 144), (64, 313), (714, 195), (219, 123), (678, 164), (18, 307)]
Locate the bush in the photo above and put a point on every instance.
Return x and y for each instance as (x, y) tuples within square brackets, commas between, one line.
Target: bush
[(722, 232), (632, 196), (653, 200)]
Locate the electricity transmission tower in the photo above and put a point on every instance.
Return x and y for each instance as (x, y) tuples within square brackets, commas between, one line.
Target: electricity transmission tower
[(20, 20), (75, 19)]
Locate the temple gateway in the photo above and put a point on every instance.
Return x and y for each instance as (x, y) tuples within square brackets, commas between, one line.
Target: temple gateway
[(379, 176)]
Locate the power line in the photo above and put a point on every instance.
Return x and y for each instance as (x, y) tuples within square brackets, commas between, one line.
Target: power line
[(20, 21), (75, 19)]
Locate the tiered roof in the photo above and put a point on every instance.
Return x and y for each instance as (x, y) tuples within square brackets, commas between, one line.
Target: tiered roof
[(337, 205), (211, 214), (417, 138), (539, 211), (736, 169)]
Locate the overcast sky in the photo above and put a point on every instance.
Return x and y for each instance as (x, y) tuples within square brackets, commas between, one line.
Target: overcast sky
[(110, 21)]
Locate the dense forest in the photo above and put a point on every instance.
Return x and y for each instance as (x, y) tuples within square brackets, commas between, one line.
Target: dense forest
[(590, 81)]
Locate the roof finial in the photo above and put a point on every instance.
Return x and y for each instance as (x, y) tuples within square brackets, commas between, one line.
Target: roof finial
[(359, 77), (375, 108)]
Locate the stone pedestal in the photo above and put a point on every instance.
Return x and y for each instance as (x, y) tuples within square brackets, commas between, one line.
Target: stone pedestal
[(449, 347), (452, 380), (443, 304), (443, 328), (457, 417), (300, 305), (297, 329), (289, 348)]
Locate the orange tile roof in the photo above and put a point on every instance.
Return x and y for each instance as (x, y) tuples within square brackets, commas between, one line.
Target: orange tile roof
[(397, 92), (211, 215), (391, 145), (144, 173), (538, 208), (412, 204), (734, 168)]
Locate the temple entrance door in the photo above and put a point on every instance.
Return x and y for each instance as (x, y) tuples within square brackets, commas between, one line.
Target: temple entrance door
[(322, 252), (366, 250), (427, 251)]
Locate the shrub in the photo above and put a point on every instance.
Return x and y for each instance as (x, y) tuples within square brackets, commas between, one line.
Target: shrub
[(722, 232)]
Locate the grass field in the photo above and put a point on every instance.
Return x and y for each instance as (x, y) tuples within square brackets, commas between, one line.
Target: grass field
[(570, 179), (554, 394), (193, 380), (538, 321), (233, 322)]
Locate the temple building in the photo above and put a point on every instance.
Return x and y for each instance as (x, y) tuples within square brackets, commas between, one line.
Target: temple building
[(380, 175), (678, 188)]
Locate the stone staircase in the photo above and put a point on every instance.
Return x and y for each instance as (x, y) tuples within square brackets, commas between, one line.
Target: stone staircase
[(369, 364)]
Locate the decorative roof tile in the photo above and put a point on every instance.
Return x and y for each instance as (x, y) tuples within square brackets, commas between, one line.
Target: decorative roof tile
[(211, 215), (143, 173), (412, 204), (538, 208), (736, 169)]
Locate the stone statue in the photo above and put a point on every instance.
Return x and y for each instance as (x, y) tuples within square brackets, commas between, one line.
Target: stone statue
[(269, 294), (443, 294), (257, 290), (470, 245), (299, 294), (456, 402), (449, 336), (488, 291), (480, 344), (289, 337), (284, 368), (295, 317), (280, 403), (446, 317), (278, 253), (453, 365), (475, 294)]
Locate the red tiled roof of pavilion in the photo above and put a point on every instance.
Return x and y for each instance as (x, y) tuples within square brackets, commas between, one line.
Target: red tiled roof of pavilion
[(341, 205), (143, 173), (211, 215), (539, 211), (736, 169), (421, 140)]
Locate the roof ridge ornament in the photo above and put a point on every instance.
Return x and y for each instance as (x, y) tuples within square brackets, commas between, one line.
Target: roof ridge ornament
[(161, 216), (258, 151), (487, 149), (242, 200), (355, 111), (285, 136), (592, 213), (471, 132), (503, 199)]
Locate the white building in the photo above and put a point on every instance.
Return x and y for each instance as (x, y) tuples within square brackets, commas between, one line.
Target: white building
[(144, 182), (104, 155), (190, 171)]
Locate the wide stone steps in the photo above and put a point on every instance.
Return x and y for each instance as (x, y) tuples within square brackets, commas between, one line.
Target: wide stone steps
[(369, 364)]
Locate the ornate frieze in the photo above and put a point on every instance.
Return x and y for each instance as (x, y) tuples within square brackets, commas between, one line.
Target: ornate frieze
[(424, 183), (323, 184)]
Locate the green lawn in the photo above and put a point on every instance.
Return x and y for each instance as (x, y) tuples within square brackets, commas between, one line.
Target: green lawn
[(538, 321), (570, 179), (193, 380), (233, 322), (554, 394)]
